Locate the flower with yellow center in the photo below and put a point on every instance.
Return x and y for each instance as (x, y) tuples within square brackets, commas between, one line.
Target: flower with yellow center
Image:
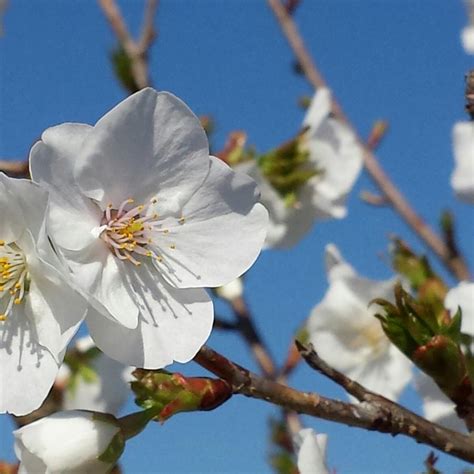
[(346, 334), (144, 220), (35, 324)]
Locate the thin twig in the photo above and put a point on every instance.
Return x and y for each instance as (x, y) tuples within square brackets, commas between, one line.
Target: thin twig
[(16, 169), (456, 265), (136, 51), (252, 337), (149, 33), (385, 418)]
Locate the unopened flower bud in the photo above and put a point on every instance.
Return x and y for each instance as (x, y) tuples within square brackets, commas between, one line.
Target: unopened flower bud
[(69, 442)]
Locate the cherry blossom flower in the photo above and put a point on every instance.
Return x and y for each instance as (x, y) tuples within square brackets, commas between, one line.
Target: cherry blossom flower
[(462, 296), (311, 452), (462, 179), (437, 407), (35, 324), (69, 442), (345, 333), (467, 33), (145, 219), (336, 159), (105, 390)]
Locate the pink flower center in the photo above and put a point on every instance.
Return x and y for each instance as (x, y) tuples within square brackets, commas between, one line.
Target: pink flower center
[(134, 232)]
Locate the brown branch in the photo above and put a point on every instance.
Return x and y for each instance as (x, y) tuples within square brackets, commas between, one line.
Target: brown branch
[(16, 169), (149, 34), (456, 265), (393, 419), (252, 337), (136, 51)]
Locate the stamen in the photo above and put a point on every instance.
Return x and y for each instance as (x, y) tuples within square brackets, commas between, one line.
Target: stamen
[(13, 278), (133, 233)]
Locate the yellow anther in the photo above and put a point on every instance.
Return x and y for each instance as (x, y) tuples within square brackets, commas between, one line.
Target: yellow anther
[(140, 207), (181, 220), (149, 254), (172, 246), (17, 300), (154, 201), (110, 206), (2, 242), (130, 200), (165, 231), (159, 259), (3, 317), (17, 286), (2, 288)]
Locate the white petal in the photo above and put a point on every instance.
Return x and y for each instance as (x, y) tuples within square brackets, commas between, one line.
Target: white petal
[(336, 266), (462, 296), (319, 109), (52, 160), (107, 394), (11, 215), (66, 442), (27, 370), (287, 225), (173, 325), (102, 277), (334, 149), (387, 374), (467, 39), (462, 179), (222, 234), (437, 407), (311, 452), (45, 305), (149, 144)]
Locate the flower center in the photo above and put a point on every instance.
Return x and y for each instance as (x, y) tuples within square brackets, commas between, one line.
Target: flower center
[(134, 232), (13, 278), (371, 336)]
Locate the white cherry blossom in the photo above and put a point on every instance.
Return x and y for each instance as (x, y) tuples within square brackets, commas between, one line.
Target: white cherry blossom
[(467, 33), (437, 407), (35, 324), (462, 179), (311, 452), (67, 442), (107, 392), (145, 219), (345, 333), (333, 149)]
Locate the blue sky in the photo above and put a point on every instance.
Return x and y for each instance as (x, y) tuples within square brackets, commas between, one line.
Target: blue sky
[(399, 60)]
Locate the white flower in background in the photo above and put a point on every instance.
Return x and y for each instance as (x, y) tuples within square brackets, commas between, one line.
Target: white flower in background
[(311, 452), (334, 152), (462, 179), (231, 291), (437, 407), (462, 296), (105, 391), (144, 219), (467, 39), (68, 442), (345, 333), (467, 33), (35, 323)]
